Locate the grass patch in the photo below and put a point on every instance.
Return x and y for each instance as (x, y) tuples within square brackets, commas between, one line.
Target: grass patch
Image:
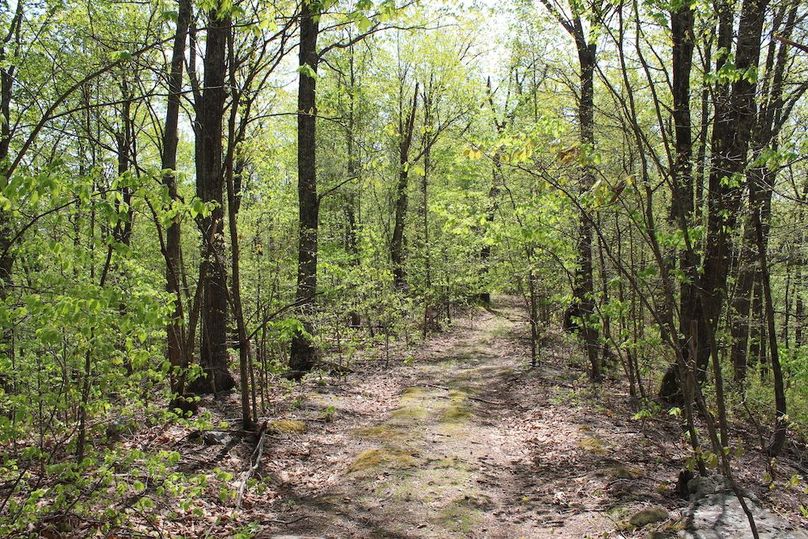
[(623, 472), (381, 457), (458, 409), (289, 426), (593, 445), (459, 517), (409, 412), (382, 431)]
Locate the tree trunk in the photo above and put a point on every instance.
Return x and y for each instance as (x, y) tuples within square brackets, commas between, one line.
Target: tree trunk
[(178, 357), (6, 86), (734, 122), (234, 170), (493, 191), (761, 182), (781, 417), (352, 234), (303, 354), (584, 285), (682, 203), (210, 188), (407, 126), (742, 301)]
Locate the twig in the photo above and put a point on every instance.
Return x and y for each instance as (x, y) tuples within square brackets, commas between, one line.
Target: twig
[(284, 522), (255, 462)]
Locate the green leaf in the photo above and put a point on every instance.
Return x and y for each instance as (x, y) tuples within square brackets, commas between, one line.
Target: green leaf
[(308, 71)]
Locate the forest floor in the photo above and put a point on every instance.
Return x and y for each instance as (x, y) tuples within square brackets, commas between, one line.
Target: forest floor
[(464, 439)]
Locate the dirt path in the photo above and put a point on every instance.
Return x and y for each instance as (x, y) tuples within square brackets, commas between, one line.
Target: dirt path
[(473, 443)]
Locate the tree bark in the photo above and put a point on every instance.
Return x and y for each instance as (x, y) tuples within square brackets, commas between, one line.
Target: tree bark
[(584, 285), (683, 205), (407, 126), (6, 96), (210, 188), (303, 353), (177, 356), (734, 122)]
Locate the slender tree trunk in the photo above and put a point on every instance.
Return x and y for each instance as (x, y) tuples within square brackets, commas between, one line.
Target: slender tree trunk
[(799, 278), (303, 353), (178, 357), (210, 188), (799, 305), (533, 302), (233, 172), (427, 254), (233, 176), (584, 284), (781, 416), (683, 204), (493, 192), (704, 129), (606, 323), (6, 95), (490, 214), (397, 241), (742, 301), (353, 170)]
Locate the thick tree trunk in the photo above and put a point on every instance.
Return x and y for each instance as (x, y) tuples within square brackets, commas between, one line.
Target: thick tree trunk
[(210, 188), (735, 116), (734, 122), (303, 354), (761, 181)]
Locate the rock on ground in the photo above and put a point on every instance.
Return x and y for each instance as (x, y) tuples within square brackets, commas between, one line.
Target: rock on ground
[(716, 513)]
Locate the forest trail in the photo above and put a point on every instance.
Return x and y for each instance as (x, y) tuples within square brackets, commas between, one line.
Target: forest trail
[(473, 443)]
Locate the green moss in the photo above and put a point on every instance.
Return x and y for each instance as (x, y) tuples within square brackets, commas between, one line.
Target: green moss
[(408, 412), (458, 408), (459, 517), (412, 393), (412, 405), (383, 431), (288, 426), (619, 512), (647, 516), (624, 472), (374, 458), (593, 445)]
